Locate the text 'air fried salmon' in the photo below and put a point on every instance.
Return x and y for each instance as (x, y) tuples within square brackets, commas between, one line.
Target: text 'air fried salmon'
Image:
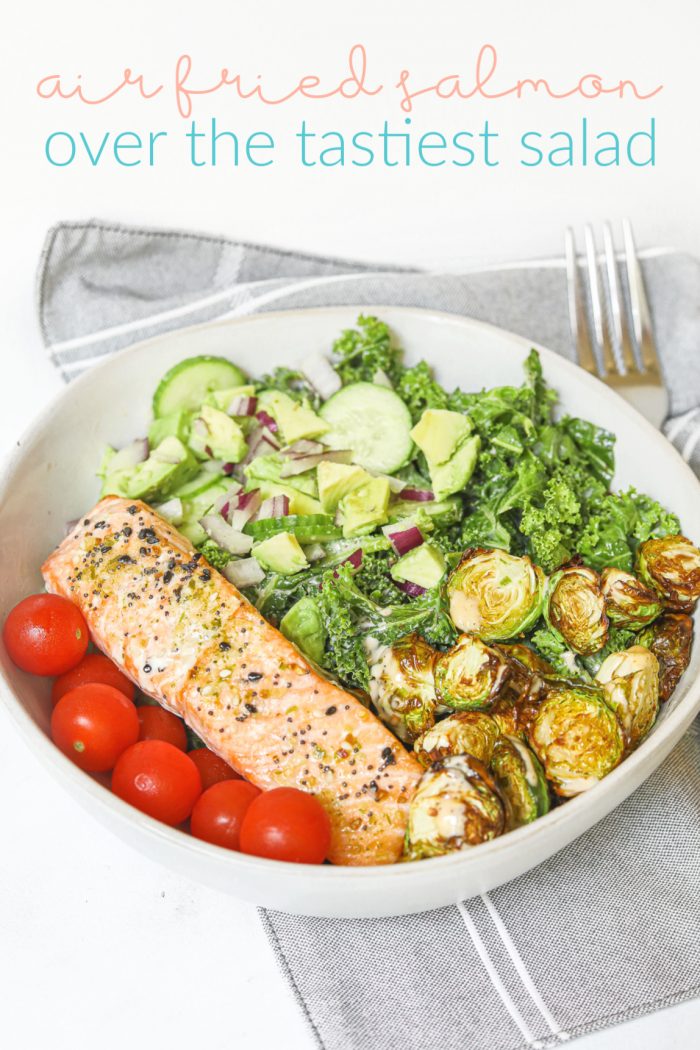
[(190, 640)]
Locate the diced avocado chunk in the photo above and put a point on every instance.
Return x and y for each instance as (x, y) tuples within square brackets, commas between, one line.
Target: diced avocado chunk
[(303, 626), (299, 502), (424, 566), (439, 433), (269, 468), (294, 419), (453, 476), (281, 553), (222, 438), (222, 399), (336, 480), (177, 424), (169, 465), (365, 507)]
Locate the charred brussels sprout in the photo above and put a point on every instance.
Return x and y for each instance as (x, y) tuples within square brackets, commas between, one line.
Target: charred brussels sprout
[(577, 738), (469, 675), (575, 609), (671, 566), (630, 681), (530, 676), (628, 602), (466, 732), (456, 805), (521, 782), (528, 658), (402, 687), (494, 594), (670, 639)]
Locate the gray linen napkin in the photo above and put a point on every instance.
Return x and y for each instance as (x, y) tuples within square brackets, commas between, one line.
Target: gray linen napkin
[(610, 927)]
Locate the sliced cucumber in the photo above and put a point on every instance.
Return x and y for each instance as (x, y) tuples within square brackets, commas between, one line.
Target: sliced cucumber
[(373, 422), (186, 385), (202, 481), (308, 528)]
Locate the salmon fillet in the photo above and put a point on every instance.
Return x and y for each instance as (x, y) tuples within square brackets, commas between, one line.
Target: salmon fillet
[(190, 640)]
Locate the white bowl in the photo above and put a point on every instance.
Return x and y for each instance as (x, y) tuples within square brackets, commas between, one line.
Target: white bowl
[(49, 480)]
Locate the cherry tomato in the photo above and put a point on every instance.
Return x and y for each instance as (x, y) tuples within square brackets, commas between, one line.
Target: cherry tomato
[(93, 725), (286, 824), (212, 769), (158, 724), (218, 813), (159, 779), (45, 634), (94, 667)]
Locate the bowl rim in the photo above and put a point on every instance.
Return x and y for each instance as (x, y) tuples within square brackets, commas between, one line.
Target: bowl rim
[(673, 725)]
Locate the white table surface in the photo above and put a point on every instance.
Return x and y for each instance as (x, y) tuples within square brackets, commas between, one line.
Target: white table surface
[(97, 944)]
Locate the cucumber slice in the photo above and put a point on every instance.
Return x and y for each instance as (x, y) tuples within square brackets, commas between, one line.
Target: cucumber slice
[(373, 422), (186, 385), (202, 481), (308, 528)]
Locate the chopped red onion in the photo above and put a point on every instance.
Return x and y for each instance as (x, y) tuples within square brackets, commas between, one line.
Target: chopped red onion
[(129, 456), (354, 560), (242, 406), (171, 510), (267, 421), (321, 375), (300, 464), (260, 443), (199, 427), (418, 495), (274, 507), (404, 540), (414, 589), (242, 508), (244, 573), (229, 539), (221, 505), (303, 447)]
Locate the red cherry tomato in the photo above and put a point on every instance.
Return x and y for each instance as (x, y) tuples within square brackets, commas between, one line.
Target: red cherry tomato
[(218, 813), (286, 824), (45, 634), (212, 769), (158, 779), (93, 725), (158, 724), (94, 667)]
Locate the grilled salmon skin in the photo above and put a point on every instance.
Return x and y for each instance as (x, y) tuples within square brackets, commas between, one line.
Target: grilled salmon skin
[(188, 639)]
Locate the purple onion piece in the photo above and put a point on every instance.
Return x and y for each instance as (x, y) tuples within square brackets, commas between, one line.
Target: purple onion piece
[(303, 447), (227, 538), (244, 573), (413, 589), (354, 560), (274, 507), (228, 469), (242, 406), (418, 495), (129, 456), (300, 464), (405, 540), (267, 421)]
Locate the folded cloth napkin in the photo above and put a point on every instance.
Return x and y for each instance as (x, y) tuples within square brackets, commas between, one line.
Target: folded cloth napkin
[(610, 927)]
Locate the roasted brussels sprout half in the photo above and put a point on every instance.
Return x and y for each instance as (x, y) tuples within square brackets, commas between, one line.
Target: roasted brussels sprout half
[(671, 566), (530, 676), (402, 687), (533, 663), (628, 602), (577, 738), (670, 639), (630, 681), (494, 594), (575, 609), (520, 780), (456, 805), (469, 675), (465, 732)]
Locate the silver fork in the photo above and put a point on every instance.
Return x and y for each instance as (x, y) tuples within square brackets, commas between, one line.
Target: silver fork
[(617, 343)]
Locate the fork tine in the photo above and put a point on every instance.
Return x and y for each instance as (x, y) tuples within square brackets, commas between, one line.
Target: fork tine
[(601, 332), (641, 317), (577, 309), (618, 320)]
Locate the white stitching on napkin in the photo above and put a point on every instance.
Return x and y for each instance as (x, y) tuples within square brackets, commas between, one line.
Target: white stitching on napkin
[(495, 979), (519, 965)]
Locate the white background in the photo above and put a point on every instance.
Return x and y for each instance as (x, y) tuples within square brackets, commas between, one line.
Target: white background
[(98, 944)]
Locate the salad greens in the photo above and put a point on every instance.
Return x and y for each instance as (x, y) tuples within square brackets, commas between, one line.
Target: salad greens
[(532, 482)]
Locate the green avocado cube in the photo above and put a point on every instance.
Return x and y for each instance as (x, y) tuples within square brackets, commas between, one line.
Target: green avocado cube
[(269, 468), (365, 507), (281, 553), (424, 566), (294, 419), (303, 626), (454, 475), (220, 437), (439, 433), (177, 424), (336, 480), (169, 465)]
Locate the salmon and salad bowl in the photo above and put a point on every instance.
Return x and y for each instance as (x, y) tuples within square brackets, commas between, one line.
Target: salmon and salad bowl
[(339, 613)]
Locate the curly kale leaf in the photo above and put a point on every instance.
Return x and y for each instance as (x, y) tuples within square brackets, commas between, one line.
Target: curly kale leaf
[(292, 382), (617, 523), (215, 555), (420, 390), (363, 351)]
